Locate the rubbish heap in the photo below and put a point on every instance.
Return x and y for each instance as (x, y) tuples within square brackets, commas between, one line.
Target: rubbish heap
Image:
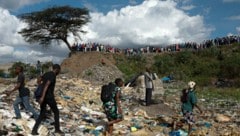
[(81, 112)]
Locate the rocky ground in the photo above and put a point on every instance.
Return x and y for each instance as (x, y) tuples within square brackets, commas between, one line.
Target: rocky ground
[(81, 113)]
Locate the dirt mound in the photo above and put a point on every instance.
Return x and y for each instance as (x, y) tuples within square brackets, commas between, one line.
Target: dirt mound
[(5, 66), (96, 67)]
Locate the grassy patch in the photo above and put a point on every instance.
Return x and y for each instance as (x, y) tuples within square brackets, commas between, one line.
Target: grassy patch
[(89, 73), (228, 94)]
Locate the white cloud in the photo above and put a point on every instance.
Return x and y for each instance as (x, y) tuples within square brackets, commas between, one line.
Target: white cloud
[(9, 27), (14, 48), (6, 54), (6, 50), (152, 22), (231, 0), (238, 30), (90, 6), (188, 7), (132, 2), (185, 4), (230, 34), (15, 4), (234, 17)]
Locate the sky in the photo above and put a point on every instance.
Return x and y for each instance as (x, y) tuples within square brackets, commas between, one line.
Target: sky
[(121, 23)]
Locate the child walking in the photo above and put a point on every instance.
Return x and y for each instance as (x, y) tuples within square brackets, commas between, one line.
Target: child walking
[(189, 101), (113, 108)]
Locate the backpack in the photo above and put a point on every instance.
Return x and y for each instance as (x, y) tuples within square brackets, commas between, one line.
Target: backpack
[(106, 92), (184, 97), (38, 92)]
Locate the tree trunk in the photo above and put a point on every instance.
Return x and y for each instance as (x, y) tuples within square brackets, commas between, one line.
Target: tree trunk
[(68, 44)]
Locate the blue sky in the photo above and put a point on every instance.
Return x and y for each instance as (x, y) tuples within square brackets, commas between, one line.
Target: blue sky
[(123, 23)]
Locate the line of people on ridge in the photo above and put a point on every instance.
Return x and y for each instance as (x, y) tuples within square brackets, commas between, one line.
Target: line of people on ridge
[(86, 47), (112, 108)]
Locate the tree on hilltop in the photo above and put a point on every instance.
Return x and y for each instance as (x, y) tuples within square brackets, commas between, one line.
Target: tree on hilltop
[(54, 24)]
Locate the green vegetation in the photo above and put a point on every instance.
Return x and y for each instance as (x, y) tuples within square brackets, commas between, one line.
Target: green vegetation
[(211, 94), (205, 66), (89, 73), (29, 70), (2, 74), (131, 65)]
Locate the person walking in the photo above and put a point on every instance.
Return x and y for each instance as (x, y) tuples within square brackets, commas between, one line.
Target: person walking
[(113, 108), (39, 68), (189, 101), (23, 97), (149, 86), (48, 98)]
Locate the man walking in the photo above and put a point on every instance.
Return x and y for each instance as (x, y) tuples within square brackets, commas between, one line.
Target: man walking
[(24, 93), (39, 68), (47, 98)]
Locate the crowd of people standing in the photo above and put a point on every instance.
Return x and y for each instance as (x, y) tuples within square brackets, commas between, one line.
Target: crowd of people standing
[(86, 47)]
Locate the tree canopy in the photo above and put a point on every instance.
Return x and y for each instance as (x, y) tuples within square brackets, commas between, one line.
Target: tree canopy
[(54, 24)]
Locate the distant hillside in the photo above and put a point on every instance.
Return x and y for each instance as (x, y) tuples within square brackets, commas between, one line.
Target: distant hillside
[(207, 66), (5, 67)]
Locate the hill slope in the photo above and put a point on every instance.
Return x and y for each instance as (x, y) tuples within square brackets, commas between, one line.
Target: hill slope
[(92, 66)]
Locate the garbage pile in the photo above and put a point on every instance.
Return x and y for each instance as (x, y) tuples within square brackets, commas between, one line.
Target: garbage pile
[(81, 113)]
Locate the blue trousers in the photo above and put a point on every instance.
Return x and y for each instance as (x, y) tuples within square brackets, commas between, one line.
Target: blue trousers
[(28, 107)]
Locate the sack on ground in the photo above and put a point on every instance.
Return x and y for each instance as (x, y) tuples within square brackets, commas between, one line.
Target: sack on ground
[(106, 92)]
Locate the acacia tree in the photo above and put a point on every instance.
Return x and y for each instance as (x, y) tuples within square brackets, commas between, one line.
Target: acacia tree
[(54, 24)]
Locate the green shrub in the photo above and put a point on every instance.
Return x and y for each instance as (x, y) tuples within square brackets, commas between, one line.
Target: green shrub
[(89, 73), (131, 65), (202, 66), (220, 93), (2, 73)]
